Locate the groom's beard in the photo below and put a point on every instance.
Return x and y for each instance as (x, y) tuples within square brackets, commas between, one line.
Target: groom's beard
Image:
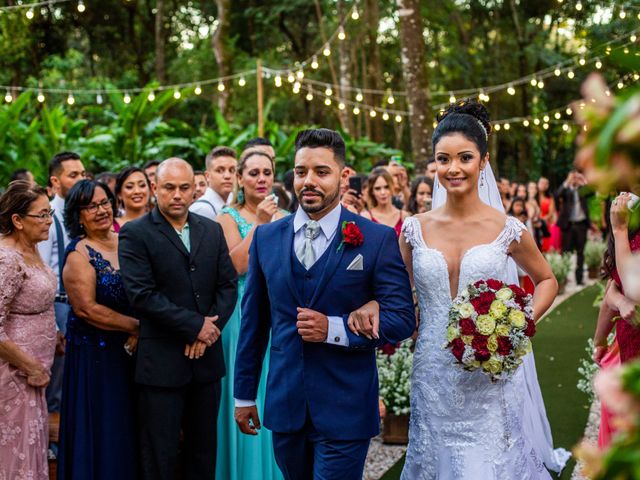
[(324, 200)]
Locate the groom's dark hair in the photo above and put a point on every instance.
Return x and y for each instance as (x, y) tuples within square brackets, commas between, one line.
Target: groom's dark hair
[(323, 137)]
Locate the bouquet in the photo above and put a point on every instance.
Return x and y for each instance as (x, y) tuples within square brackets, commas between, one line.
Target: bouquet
[(490, 326)]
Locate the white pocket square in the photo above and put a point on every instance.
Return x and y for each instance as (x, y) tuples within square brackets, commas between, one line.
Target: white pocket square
[(357, 263)]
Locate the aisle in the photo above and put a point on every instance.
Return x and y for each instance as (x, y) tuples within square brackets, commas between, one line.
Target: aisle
[(559, 345)]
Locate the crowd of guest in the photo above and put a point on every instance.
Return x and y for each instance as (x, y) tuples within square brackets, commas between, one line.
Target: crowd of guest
[(78, 272)]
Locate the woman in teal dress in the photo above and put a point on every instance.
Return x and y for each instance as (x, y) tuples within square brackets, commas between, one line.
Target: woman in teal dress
[(240, 456)]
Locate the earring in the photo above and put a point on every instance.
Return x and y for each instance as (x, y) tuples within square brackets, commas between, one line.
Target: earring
[(482, 178), (240, 198)]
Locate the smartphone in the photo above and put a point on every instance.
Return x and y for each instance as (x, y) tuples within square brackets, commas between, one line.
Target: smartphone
[(355, 183), (634, 202)]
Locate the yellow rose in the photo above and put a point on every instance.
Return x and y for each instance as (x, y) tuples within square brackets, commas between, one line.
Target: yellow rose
[(517, 319), (504, 294), (475, 364), (502, 330), (493, 365), (492, 343), (452, 332), (467, 339), (465, 310), (485, 324), (498, 309)]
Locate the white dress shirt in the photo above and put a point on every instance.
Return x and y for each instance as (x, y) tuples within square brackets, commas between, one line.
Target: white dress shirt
[(328, 230), (49, 248), (201, 207)]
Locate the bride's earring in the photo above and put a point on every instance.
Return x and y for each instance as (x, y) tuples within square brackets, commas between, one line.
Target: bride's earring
[(482, 178)]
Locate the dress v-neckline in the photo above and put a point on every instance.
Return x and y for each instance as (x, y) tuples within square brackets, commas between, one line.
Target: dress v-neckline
[(462, 258)]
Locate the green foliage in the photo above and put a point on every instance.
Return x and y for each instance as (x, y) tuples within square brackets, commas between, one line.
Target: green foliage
[(560, 264), (594, 253)]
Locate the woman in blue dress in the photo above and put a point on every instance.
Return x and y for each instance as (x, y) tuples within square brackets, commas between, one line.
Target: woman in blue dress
[(245, 457), (98, 438)]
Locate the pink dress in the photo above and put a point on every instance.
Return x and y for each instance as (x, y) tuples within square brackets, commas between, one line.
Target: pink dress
[(27, 319)]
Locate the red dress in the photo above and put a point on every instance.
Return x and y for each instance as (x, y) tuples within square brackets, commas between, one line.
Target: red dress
[(628, 335), (397, 227), (554, 242)]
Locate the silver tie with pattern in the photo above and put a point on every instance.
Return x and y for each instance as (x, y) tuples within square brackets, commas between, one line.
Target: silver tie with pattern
[(305, 252)]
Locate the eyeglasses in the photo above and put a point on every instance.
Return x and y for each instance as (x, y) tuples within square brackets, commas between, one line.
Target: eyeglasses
[(43, 217), (92, 208)]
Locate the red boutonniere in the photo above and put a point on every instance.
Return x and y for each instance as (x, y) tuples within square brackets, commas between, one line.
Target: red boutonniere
[(351, 235)]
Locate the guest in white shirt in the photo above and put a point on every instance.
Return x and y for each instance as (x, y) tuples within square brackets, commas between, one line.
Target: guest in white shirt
[(65, 170), (221, 166)]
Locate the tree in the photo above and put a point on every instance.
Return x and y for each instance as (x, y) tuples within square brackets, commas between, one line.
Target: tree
[(219, 42)]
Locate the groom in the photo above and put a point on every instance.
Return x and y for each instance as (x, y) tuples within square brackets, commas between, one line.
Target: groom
[(307, 274)]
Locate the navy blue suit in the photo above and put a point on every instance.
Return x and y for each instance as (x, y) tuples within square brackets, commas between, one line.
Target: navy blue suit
[(329, 390)]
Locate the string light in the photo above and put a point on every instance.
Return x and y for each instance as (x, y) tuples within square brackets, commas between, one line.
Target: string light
[(582, 61), (511, 90), (390, 99), (127, 99), (41, 98), (507, 126), (291, 77), (356, 111), (151, 97), (633, 37), (30, 14), (341, 34), (341, 106), (598, 64), (534, 82), (452, 98), (525, 123), (372, 114), (385, 116), (557, 72), (557, 115), (545, 126), (99, 99), (177, 94), (541, 84), (545, 118), (278, 81), (327, 51), (568, 111), (355, 15), (197, 90), (242, 82), (70, 99), (309, 96), (300, 74), (626, 51), (8, 97), (221, 86), (81, 7), (622, 14), (620, 85), (398, 118), (314, 63), (496, 127), (536, 121), (578, 6), (570, 74), (565, 127), (327, 101), (328, 92), (359, 96)]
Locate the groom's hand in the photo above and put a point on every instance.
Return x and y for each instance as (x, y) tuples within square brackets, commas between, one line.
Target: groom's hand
[(247, 419), (312, 326)]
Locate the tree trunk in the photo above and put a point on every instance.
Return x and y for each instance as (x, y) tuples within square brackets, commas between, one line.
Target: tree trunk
[(345, 74), (220, 50), (374, 67), (416, 79), (161, 70)]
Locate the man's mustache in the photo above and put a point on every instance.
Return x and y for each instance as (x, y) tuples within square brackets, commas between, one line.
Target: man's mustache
[(312, 190)]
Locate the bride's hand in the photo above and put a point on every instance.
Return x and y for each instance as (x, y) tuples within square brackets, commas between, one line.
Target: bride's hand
[(366, 320)]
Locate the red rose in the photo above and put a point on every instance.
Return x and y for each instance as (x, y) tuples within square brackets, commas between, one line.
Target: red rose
[(479, 342), (530, 331), (482, 303), (457, 348), (519, 292), (478, 283), (494, 284), (483, 355), (467, 327), (504, 346), (351, 234)]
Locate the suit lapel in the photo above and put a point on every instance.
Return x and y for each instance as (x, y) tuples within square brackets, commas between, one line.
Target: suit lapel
[(286, 244), (334, 258), (196, 234), (168, 231)]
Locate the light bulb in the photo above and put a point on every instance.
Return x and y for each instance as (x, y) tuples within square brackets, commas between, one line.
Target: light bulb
[(359, 96), (496, 127), (582, 61), (314, 63), (391, 100), (291, 77), (197, 90), (557, 115), (507, 126), (309, 97), (30, 14), (70, 99), (598, 64), (341, 34), (565, 127), (620, 85), (636, 77), (541, 84), (242, 82), (327, 51), (579, 6), (545, 126), (452, 98), (177, 94), (633, 37), (296, 86), (570, 74), (300, 74), (385, 116), (341, 106), (622, 14), (557, 72), (435, 124), (511, 90), (536, 121), (327, 101), (372, 113), (278, 81), (99, 99), (126, 99), (545, 118), (398, 118), (525, 123), (568, 111), (8, 97), (626, 51), (356, 111), (41, 98), (533, 82), (81, 7), (221, 87), (355, 15), (151, 97)]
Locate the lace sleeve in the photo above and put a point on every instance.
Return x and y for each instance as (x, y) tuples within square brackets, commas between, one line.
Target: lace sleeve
[(513, 229), (11, 276), (411, 231)]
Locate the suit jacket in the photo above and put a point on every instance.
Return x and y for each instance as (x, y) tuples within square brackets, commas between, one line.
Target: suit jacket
[(171, 291), (566, 201), (337, 386)]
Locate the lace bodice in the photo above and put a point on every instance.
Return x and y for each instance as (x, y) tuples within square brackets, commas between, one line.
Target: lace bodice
[(461, 422)]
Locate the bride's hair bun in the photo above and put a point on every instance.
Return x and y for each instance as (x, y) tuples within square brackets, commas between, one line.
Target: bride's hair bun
[(468, 117)]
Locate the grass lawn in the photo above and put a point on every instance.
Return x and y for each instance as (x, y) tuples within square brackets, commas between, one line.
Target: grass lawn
[(559, 344)]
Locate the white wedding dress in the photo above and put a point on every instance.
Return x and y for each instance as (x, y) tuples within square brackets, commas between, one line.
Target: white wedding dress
[(463, 426)]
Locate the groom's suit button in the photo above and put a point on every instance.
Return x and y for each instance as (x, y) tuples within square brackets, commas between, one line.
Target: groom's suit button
[(193, 268)]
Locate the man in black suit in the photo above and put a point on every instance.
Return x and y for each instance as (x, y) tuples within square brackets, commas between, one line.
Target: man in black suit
[(573, 218), (179, 278)]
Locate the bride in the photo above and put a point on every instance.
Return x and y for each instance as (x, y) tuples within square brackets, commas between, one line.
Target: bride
[(463, 426)]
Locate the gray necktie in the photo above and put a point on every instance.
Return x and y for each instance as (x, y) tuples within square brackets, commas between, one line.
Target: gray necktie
[(305, 252)]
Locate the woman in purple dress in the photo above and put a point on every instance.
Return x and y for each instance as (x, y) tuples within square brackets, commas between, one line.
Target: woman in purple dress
[(27, 332)]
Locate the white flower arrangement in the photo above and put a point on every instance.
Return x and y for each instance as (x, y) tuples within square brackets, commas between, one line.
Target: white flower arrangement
[(394, 373)]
